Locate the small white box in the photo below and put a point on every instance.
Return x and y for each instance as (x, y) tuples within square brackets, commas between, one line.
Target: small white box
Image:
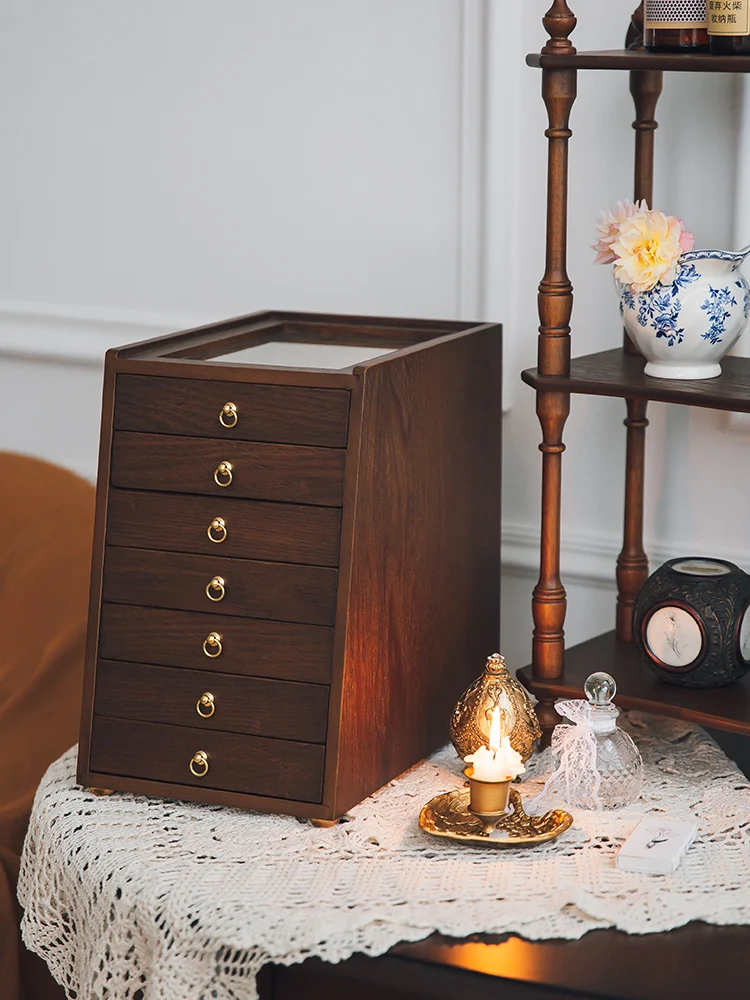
[(656, 846)]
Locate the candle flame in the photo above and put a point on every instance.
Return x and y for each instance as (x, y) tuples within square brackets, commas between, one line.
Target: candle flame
[(495, 729)]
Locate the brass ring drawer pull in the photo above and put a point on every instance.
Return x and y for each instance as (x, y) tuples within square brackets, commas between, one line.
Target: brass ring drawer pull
[(199, 764), (216, 589), (223, 474), (228, 415), (218, 527), (212, 642), (205, 706)]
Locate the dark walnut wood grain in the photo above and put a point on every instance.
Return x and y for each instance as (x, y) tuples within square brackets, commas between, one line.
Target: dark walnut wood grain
[(632, 562), (281, 413), (290, 473), (251, 705), (555, 304), (252, 764), (254, 647), (623, 59), (613, 373), (424, 597), (281, 591), (725, 708), (279, 532), (398, 628)]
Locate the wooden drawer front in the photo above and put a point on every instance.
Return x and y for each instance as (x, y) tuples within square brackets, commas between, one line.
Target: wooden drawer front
[(253, 705), (259, 471), (250, 646), (254, 765), (283, 413), (281, 591), (251, 529)]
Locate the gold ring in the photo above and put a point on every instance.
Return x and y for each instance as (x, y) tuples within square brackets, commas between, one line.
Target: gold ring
[(205, 706), (228, 416), (199, 760), (213, 639), (223, 474), (217, 584), (217, 526)]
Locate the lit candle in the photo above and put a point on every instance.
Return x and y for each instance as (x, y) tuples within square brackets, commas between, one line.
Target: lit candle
[(509, 759), (495, 728), (499, 761)]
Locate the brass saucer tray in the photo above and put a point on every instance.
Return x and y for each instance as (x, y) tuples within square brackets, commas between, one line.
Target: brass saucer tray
[(448, 815)]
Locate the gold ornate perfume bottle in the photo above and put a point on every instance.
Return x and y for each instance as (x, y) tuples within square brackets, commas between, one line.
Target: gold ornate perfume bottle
[(472, 716)]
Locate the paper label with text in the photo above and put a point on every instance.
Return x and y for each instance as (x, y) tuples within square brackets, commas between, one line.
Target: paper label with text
[(728, 17)]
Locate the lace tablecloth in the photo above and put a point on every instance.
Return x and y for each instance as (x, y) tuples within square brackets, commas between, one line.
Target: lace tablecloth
[(186, 902)]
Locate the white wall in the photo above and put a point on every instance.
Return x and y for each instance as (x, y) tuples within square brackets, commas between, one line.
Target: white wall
[(166, 162)]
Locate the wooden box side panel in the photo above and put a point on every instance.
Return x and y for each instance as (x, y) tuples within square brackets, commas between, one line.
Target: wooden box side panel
[(424, 600), (97, 566)]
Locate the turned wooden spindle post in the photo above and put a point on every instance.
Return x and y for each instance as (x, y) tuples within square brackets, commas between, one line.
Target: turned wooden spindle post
[(549, 601), (555, 307), (646, 88), (632, 563)]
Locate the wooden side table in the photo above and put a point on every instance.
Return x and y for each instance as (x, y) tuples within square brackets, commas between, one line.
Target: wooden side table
[(696, 961), (699, 960)]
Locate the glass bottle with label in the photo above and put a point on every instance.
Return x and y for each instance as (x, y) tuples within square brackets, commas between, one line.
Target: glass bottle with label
[(728, 26), (675, 25)]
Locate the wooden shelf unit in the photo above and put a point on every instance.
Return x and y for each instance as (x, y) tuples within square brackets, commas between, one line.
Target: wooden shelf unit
[(640, 59), (615, 373), (555, 673), (638, 687)]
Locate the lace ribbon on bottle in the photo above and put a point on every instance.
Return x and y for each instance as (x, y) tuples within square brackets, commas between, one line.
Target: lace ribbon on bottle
[(576, 778)]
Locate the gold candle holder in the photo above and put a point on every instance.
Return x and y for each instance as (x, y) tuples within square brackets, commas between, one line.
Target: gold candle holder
[(488, 800)]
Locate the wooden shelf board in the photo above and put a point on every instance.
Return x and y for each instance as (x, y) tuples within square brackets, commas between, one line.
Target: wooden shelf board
[(623, 59), (725, 708), (615, 373)]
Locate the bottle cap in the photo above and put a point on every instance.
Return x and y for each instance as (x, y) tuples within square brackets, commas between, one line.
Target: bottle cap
[(600, 688)]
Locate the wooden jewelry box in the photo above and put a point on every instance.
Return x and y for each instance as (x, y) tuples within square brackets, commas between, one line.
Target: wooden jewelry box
[(296, 569)]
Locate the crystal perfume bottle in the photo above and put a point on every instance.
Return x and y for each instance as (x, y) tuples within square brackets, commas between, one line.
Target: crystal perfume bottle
[(599, 766), (618, 762)]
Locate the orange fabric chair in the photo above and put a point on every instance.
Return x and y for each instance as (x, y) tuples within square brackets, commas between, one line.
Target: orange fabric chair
[(46, 525)]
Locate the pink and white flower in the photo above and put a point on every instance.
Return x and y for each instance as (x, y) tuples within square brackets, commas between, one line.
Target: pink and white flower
[(648, 250), (608, 228), (644, 245)]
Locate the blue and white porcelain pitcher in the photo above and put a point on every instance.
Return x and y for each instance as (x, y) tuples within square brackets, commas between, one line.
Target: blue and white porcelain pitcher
[(685, 329)]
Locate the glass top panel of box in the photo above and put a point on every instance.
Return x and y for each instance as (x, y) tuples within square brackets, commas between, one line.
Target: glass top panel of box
[(288, 354), (296, 340)]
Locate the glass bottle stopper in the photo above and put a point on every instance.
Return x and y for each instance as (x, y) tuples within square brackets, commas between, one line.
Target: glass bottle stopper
[(600, 688)]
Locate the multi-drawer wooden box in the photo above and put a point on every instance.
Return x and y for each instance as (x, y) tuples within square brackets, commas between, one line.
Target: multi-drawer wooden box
[(296, 569)]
